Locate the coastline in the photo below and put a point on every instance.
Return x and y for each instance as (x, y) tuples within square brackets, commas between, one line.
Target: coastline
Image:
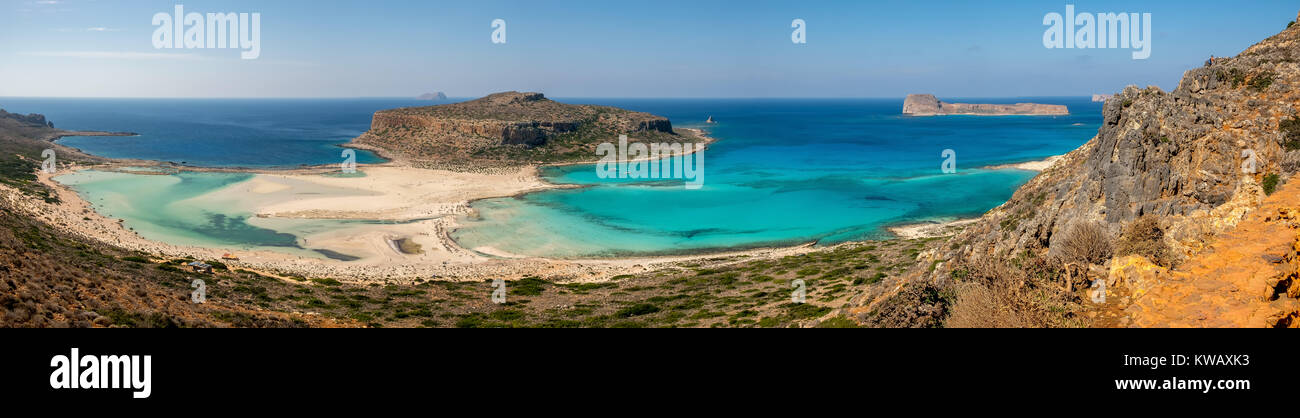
[(1036, 165), (423, 203), (696, 132), (431, 219), (932, 229)]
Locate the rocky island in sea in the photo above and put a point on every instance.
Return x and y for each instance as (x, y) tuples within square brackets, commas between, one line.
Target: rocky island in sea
[(928, 105), (510, 128), (437, 97)]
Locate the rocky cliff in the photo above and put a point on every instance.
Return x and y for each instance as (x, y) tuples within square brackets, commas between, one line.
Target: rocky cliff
[(33, 119), (1177, 155), (1195, 161), (928, 105), (509, 127)]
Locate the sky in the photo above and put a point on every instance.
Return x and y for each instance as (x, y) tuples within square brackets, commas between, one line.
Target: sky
[(662, 48)]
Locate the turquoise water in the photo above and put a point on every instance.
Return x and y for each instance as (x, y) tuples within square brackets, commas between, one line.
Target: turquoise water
[(184, 209), (170, 208), (782, 172)]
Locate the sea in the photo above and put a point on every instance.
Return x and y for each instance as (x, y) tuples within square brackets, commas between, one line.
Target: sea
[(781, 171)]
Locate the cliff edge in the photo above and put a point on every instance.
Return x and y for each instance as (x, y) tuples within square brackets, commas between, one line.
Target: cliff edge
[(1167, 176), (1177, 213)]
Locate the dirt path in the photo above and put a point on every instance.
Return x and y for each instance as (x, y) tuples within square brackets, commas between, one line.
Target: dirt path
[(1246, 278)]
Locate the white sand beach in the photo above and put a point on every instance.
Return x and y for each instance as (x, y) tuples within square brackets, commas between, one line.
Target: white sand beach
[(425, 201), (930, 229), (1039, 165)]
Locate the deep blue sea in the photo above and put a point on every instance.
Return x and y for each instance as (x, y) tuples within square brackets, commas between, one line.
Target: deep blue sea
[(215, 132), (783, 171)]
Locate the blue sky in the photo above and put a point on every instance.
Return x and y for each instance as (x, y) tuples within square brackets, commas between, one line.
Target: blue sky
[(700, 48)]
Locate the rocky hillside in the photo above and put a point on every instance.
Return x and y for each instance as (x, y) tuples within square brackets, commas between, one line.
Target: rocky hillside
[(1174, 155), (1247, 277), (33, 119), (508, 128), (1167, 174), (52, 279)]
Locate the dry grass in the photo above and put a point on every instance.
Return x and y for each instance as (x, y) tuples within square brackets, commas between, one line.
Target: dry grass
[(1021, 294), (1084, 244), (1145, 237)]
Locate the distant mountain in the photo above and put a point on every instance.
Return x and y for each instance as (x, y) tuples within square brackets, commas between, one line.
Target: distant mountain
[(432, 96)]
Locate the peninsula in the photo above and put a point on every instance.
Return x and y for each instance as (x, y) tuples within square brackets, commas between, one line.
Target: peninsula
[(928, 105), (509, 129)]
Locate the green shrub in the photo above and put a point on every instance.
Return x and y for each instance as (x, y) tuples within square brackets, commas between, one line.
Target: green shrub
[(1290, 129), (528, 286), (838, 322), (1270, 183), (1261, 81), (1232, 76), (637, 310), (327, 282)]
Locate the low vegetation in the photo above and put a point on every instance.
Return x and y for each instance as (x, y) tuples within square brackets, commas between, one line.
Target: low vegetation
[(1084, 244), (1145, 237), (1024, 291), (1290, 130), (1269, 184)]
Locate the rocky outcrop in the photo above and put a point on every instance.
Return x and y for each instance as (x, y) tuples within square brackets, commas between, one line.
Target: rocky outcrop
[(1248, 277), (439, 96), (928, 105), (1176, 155), (1200, 159), (506, 127), (32, 119)]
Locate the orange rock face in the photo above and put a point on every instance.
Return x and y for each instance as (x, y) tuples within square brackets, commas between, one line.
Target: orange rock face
[(1246, 278)]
